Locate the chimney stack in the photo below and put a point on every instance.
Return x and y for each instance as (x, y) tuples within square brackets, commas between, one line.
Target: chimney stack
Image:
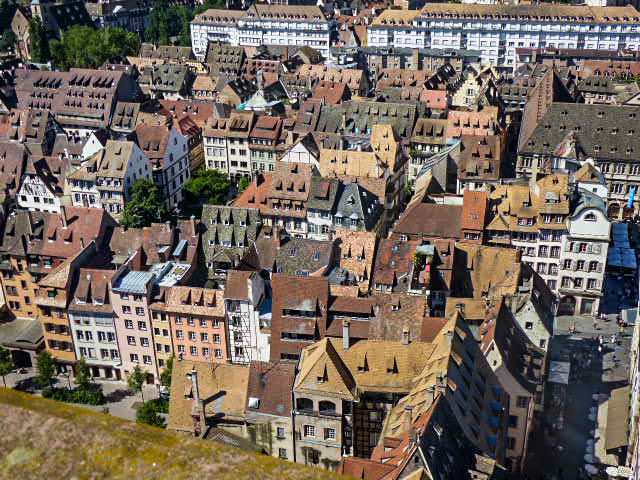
[(63, 216), (408, 417), (346, 333), (405, 336), (194, 226), (198, 406)]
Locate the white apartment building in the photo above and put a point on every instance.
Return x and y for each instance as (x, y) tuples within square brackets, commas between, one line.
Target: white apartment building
[(168, 152), (106, 180), (497, 30), (262, 25), (244, 292), (37, 192)]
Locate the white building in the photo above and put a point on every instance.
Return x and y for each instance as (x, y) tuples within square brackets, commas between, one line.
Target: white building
[(41, 188), (584, 255), (305, 150), (106, 180), (497, 30), (243, 295), (167, 150), (92, 324), (262, 25)]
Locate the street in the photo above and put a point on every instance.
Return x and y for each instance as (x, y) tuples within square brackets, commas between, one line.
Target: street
[(559, 452), (120, 401)]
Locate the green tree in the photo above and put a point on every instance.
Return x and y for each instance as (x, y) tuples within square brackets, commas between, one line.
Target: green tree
[(83, 375), (136, 380), (85, 47), (46, 368), (165, 376), (145, 206), (38, 41), (243, 183), (206, 186), (7, 40), (6, 363), (7, 11), (147, 414), (185, 16)]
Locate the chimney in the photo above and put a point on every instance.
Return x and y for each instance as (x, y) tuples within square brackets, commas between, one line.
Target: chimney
[(194, 226), (63, 216), (346, 330), (198, 406), (405, 336), (408, 417), (168, 225)]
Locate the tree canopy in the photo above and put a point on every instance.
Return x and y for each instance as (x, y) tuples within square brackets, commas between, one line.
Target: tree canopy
[(165, 376), (243, 183), (206, 186), (136, 381), (85, 47), (83, 374), (39, 44), (6, 363), (46, 368), (7, 11), (165, 22), (145, 206)]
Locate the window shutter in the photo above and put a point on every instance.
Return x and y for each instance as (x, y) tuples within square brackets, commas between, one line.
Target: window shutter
[(599, 267), (590, 248), (597, 248), (575, 266)]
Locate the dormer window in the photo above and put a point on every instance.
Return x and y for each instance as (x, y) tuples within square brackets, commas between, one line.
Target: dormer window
[(292, 252)]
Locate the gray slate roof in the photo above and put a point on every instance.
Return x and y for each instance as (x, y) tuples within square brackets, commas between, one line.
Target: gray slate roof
[(303, 255), (21, 333), (604, 132), (355, 203)]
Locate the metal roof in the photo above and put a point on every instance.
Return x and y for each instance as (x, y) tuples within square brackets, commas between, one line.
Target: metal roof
[(133, 282)]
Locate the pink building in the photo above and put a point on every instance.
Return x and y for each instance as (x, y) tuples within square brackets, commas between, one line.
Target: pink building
[(197, 320)]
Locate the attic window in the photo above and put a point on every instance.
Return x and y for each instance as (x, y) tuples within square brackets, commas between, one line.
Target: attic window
[(292, 252)]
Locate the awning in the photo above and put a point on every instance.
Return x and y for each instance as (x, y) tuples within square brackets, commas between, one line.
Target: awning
[(616, 433), (559, 372)]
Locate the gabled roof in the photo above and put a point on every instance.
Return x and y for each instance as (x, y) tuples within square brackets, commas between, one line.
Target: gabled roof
[(322, 370)]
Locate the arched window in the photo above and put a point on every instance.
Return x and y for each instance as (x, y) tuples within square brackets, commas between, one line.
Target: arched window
[(326, 407), (590, 217), (304, 404)]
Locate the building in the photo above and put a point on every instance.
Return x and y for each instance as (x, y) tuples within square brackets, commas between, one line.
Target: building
[(107, 178), (132, 293), (464, 26), (166, 82), (92, 323), (246, 298), (229, 233), (197, 325), (268, 410), (129, 15), (262, 25), (34, 243), (42, 185), (59, 16), (167, 151), (81, 100)]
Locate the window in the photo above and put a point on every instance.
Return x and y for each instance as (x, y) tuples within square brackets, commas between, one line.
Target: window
[(522, 401), (126, 309), (144, 341), (218, 353), (204, 337), (193, 351), (542, 268), (593, 266), (309, 431), (513, 421), (590, 217), (133, 357), (180, 348), (329, 433), (205, 352), (216, 338), (280, 433), (552, 284), (131, 340), (178, 320), (146, 359), (192, 336), (553, 269), (203, 322), (180, 334), (580, 265), (567, 264), (577, 282), (555, 252), (528, 325), (190, 321), (142, 325), (566, 282), (592, 284), (282, 453), (582, 248), (139, 311)]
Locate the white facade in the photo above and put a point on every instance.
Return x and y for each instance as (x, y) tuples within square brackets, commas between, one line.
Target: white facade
[(239, 157), (92, 146), (262, 25), (215, 153), (246, 341), (175, 169), (584, 258), (299, 153), (36, 196), (497, 30), (95, 340)]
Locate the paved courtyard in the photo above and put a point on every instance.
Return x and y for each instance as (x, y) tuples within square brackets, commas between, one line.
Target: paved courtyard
[(120, 401)]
